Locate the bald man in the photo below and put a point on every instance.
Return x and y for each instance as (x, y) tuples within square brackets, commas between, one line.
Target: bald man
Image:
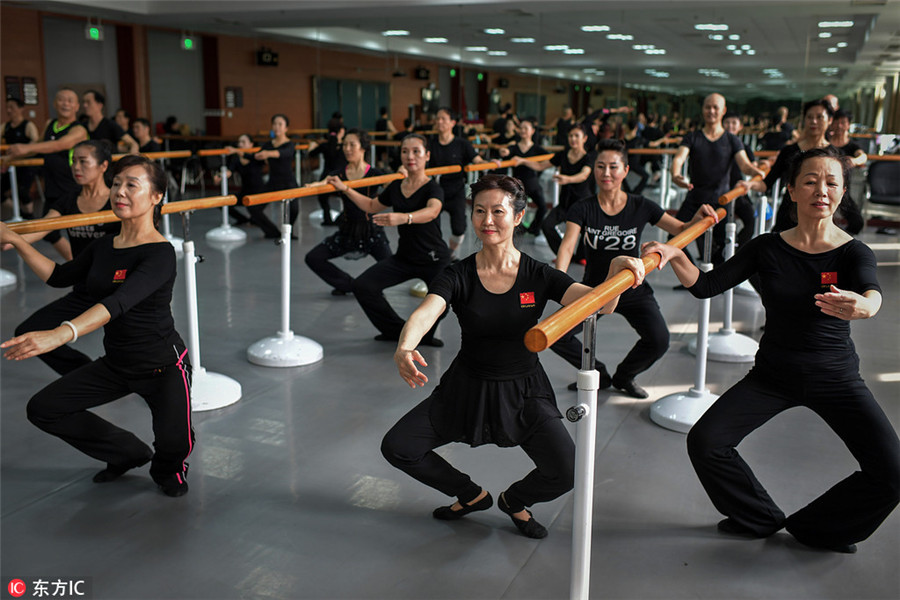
[(833, 101), (711, 151)]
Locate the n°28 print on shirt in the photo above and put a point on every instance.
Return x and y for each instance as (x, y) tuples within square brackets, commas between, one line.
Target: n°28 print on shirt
[(611, 237)]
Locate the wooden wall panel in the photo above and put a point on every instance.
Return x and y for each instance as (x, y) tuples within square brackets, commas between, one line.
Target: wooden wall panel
[(22, 55)]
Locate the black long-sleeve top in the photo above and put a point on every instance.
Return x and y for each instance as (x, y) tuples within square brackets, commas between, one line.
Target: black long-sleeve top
[(799, 340), (135, 285)]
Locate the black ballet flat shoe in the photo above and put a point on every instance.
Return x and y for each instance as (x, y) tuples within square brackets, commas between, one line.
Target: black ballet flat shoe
[(732, 527), (630, 388), (174, 485), (383, 337), (433, 342), (113, 472), (445, 513), (530, 528), (605, 382)]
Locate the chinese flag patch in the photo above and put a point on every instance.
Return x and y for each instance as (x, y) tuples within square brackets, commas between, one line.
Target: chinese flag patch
[(526, 299), (119, 275), (829, 278)]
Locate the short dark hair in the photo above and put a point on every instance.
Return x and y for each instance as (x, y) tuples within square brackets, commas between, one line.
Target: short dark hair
[(383, 110), (446, 109), (155, 173), (823, 103), (127, 114), (732, 115), (140, 120), (613, 145), (101, 150), (416, 136), (98, 97), (827, 152), (283, 116), (15, 101), (513, 188), (843, 114), (365, 141), (532, 120)]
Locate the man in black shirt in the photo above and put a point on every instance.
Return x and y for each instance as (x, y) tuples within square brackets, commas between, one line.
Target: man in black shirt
[(101, 128), (142, 135)]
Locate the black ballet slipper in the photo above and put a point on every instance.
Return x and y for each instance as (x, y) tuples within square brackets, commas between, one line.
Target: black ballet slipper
[(732, 527), (173, 485), (530, 528), (630, 388), (446, 513), (113, 472)]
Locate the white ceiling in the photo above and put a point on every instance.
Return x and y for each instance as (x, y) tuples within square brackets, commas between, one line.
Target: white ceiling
[(782, 34)]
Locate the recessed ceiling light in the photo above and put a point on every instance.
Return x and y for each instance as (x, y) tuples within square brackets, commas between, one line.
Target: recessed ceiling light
[(654, 51), (835, 24), (824, 34), (842, 44), (731, 47), (394, 32), (435, 40), (625, 37), (716, 37), (497, 52), (556, 47), (745, 47), (735, 37), (751, 52), (573, 51), (832, 50), (495, 31), (711, 27), (522, 40), (476, 48)]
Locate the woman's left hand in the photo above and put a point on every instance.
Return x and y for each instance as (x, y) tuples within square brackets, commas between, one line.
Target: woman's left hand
[(843, 304), (629, 263), (390, 219), (705, 210), (406, 364), (33, 343)]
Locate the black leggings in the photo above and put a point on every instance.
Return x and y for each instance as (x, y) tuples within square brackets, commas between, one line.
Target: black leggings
[(410, 444), (319, 260), (64, 359), (369, 291), (455, 205), (848, 512), (533, 188), (61, 409), (640, 309)]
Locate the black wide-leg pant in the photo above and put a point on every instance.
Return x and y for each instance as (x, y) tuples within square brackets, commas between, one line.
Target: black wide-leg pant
[(640, 309), (410, 444), (370, 285), (320, 258), (845, 514), (61, 409)]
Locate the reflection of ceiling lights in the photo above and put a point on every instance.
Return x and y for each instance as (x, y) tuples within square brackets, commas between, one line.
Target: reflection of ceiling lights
[(734, 37), (654, 51), (497, 53), (476, 48), (522, 40), (711, 27), (495, 31), (773, 73), (824, 34), (620, 36), (832, 50), (573, 51), (713, 73), (716, 37), (835, 24), (731, 47), (556, 47), (594, 28), (436, 40), (394, 33), (842, 44), (655, 73)]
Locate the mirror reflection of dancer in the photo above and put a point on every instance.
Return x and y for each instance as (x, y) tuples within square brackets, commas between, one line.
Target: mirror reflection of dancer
[(815, 280), (495, 391), (130, 276), (526, 148)]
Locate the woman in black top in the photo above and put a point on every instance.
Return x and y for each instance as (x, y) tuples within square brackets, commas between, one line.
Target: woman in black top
[(279, 153), (526, 148), (19, 130), (840, 138), (130, 277), (817, 117), (815, 279), (610, 224), (251, 172), (90, 161), (357, 235), (421, 250), (333, 159), (495, 391), (448, 149)]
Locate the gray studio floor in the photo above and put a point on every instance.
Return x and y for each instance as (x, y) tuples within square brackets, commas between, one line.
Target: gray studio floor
[(290, 497)]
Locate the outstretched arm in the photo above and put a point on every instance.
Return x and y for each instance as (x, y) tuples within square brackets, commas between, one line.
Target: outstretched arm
[(419, 323), (34, 343)]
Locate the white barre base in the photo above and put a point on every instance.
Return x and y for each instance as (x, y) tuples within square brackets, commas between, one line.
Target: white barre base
[(680, 411), (285, 351), (728, 346), (226, 234), (316, 215), (7, 278), (210, 391)]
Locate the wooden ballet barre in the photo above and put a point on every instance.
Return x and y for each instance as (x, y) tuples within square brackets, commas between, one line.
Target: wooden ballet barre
[(223, 151), (550, 330), (37, 162), (653, 151), (107, 216), (315, 190), (24, 162), (739, 190), (386, 143), (486, 166)]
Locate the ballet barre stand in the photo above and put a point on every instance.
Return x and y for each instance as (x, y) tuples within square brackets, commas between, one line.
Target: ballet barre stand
[(8, 278), (176, 241), (681, 410), (209, 391), (285, 349), (225, 233)]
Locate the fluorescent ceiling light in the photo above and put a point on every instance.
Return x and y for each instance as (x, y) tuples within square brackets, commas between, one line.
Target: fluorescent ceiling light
[(593, 28), (435, 40), (476, 48), (495, 31), (716, 37), (497, 53), (625, 37), (734, 37), (522, 40), (824, 34), (394, 32), (832, 50), (842, 44), (711, 27), (835, 24), (554, 48), (731, 47), (745, 47), (654, 51), (573, 51)]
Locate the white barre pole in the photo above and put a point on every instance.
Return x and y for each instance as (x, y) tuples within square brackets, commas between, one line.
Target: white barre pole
[(225, 233)]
